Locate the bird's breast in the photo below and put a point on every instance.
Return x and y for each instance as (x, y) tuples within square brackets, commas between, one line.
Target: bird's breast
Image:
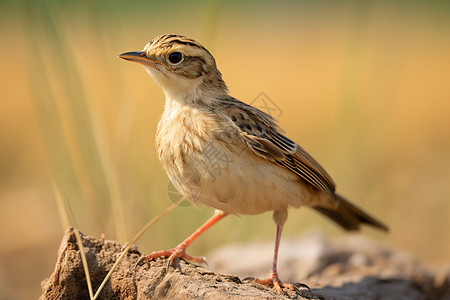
[(213, 166), (182, 135)]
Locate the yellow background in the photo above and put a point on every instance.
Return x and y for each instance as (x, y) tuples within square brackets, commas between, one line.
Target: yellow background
[(362, 85)]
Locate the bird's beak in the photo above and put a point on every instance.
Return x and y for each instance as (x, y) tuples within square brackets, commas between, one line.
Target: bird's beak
[(139, 57)]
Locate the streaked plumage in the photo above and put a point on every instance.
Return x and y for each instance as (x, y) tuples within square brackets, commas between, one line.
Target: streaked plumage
[(264, 171)]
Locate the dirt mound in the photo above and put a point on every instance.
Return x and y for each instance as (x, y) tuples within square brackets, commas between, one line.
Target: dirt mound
[(352, 268)]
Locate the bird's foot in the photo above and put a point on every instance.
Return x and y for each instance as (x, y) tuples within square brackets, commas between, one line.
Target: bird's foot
[(274, 282), (179, 251)]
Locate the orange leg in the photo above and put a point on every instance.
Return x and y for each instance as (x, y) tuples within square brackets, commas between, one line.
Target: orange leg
[(180, 250)]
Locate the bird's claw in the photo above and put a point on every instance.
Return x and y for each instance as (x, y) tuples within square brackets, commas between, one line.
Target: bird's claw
[(177, 252), (276, 284)]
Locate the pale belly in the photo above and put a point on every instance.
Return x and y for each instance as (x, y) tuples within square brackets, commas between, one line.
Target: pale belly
[(220, 171), (242, 183)]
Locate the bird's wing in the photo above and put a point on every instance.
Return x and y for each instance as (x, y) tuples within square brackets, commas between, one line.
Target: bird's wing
[(263, 137)]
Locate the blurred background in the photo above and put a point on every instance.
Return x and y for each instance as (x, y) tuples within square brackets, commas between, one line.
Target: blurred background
[(362, 85)]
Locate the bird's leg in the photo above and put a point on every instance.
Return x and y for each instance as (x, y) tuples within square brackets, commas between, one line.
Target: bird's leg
[(180, 250), (273, 280)]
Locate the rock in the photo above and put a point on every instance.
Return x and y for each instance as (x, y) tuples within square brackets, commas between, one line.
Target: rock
[(343, 269), (351, 267)]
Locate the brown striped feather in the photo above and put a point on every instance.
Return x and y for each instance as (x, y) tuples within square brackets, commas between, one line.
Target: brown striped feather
[(262, 136)]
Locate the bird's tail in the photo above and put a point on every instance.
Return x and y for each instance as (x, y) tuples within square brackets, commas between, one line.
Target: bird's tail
[(349, 216)]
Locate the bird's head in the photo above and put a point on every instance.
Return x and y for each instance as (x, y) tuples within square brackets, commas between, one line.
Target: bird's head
[(181, 66)]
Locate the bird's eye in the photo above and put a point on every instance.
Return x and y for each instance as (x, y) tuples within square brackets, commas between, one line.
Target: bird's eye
[(175, 58)]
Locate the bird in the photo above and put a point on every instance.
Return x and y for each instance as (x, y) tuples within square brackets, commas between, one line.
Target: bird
[(229, 155)]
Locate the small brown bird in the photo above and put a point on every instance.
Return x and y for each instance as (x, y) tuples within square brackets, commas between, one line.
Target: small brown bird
[(229, 155)]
